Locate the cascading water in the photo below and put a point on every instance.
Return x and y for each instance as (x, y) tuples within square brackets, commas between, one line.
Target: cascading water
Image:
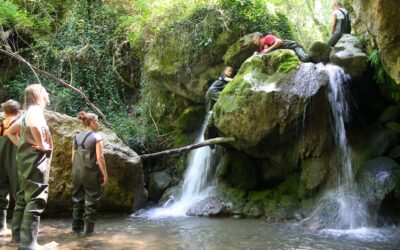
[(352, 211), (198, 182)]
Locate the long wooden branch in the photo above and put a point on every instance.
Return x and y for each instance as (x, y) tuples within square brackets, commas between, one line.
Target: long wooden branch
[(76, 90), (218, 140)]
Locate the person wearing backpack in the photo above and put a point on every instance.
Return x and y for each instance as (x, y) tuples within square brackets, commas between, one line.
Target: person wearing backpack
[(8, 164), (89, 174), (340, 23)]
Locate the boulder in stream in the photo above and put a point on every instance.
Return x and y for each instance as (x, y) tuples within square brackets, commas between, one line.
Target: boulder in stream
[(125, 190), (350, 54)]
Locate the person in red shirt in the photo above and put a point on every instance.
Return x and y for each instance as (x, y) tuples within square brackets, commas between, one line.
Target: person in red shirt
[(270, 42)]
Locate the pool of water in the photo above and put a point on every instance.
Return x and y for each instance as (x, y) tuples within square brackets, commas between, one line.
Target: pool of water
[(130, 232)]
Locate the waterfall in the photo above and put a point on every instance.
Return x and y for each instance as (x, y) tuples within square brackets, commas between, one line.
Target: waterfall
[(352, 212), (198, 180)]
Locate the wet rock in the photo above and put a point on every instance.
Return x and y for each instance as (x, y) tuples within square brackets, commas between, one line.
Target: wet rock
[(378, 178), (314, 172), (171, 195), (210, 206), (391, 113), (239, 170), (158, 183), (234, 199), (319, 52), (299, 216), (349, 54), (125, 189)]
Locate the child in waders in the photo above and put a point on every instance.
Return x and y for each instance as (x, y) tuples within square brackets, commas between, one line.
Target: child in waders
[(89, 174), (33, 163), (8, 165), (216, 88)]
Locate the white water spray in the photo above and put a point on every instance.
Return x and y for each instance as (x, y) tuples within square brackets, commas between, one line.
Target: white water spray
[(352, 211), (198, 181)]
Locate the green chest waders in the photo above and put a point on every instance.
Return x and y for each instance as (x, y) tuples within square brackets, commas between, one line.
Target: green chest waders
[(338, 32), (8, 175), (86, 181), (33, 174)]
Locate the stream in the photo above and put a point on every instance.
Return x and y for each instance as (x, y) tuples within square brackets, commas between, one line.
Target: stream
[(117, 232)]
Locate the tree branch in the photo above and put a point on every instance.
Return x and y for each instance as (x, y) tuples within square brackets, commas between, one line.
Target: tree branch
[(76, 90), (218, 140)]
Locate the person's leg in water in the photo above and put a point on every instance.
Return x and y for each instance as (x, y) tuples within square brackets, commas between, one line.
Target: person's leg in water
[(78, 210), (92, 199), (36, 194)]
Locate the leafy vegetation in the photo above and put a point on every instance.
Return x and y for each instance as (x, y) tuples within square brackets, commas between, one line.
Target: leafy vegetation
[(99, 46), (382, 78)]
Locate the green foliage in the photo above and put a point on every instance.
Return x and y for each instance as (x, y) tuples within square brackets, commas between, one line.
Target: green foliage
[(12, 15), (381, 77)]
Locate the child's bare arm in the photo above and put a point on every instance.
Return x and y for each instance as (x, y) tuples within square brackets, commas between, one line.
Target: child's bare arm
[(12, 133), (102, 162), (42, 138), (228, 79)]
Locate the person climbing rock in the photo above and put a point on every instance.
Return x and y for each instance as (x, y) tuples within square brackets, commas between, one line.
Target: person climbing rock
[(8, 165), (270, 42), (217, 86), (340, 23), (89, 174), (33, 163)]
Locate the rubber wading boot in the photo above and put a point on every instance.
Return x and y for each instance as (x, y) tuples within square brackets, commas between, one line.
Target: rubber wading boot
[(3, 221), (29, 233), (16, 226), (77, 226), (89, 227)]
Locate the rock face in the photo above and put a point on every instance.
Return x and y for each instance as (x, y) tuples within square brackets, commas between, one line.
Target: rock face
[(186, 64), (350, 55), (158, 183), (125, 191), (378, 178), (378, 21)]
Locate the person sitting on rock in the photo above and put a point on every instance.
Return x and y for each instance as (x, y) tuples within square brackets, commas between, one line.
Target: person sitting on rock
[(270, 42), (216, 88), (89, 174), (8, 165), (340, 23)]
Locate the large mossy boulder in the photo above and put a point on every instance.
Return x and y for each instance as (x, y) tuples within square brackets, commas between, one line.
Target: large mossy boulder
[(349, 54), (125, 191), (378, 21), (269, 94)]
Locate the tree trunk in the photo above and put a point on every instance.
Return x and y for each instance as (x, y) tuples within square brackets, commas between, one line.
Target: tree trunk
[(214, 141)]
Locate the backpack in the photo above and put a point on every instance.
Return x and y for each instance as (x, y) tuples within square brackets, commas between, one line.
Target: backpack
[(347, 22)]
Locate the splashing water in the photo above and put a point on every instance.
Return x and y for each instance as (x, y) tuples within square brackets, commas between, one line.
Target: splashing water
[(198, 182), (352, 211)]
